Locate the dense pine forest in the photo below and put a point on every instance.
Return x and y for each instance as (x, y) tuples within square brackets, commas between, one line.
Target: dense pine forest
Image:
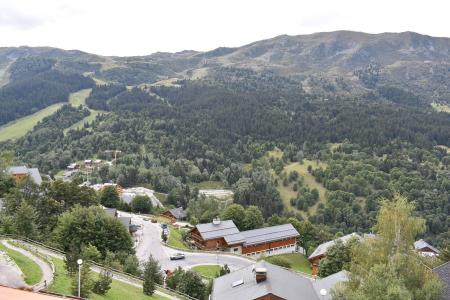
[(360, 144)]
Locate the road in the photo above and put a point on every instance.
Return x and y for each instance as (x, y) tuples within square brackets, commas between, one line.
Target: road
[(149, 242), (96, 269), (10, 274), (47, 272)]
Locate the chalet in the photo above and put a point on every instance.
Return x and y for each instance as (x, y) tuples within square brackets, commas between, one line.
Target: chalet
[(443, 272), (265, 281), (99, 187), (425, 249), (21, 172), (73, 166), (175, 214), (224, 235), (321, 251)]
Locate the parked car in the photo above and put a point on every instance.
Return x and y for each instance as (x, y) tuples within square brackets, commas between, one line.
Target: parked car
[(177, 256), (146, 219), (154, 221)]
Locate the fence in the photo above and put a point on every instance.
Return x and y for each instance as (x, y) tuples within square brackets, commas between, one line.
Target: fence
[(118, 273)]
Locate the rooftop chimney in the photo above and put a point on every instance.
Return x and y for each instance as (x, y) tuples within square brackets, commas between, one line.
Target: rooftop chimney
[(216, 221), (260, 274)]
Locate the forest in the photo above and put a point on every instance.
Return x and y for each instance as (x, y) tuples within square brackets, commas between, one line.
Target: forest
[(220, 128), (35, 85)]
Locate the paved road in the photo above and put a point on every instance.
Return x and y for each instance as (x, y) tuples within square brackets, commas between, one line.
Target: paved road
[(96, 269), (10, 274), (149, 242), (47, 272)]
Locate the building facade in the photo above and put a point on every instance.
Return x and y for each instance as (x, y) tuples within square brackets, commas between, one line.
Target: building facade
[(225, 236)]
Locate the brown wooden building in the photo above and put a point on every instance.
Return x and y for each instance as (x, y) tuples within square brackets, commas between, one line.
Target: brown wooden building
[(175, 214), (321, 251), (224, 235)]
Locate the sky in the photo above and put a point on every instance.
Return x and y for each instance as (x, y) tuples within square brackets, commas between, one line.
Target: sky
[(141, 27)]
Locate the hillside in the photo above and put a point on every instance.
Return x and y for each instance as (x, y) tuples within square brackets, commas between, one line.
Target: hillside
[(329, 63), (366, 112)]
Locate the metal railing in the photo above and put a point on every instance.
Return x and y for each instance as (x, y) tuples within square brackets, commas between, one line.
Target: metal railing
[(119, 273)]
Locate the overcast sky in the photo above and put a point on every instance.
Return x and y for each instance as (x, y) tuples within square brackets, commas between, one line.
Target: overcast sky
[(139, 27)]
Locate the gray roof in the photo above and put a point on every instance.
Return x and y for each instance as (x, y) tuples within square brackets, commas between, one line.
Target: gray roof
[(420, 244), (267, 234), (178, 213), (329, 282), (211, 231), (322, 248), (234, 239), (18, 170), (126, 221), (280, 282), (112, 212), (443, 271), (32, 172), (35, 175)]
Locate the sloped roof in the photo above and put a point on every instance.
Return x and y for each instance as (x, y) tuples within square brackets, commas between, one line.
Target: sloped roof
[(280, 282), (35, 175), (443, 271), (178, 212), (32, 172), (18, 170), (420, 244), (234, 239), (322, 248), (126, 221), (112, 212), (210, 231), (267, 234), (329, 282)]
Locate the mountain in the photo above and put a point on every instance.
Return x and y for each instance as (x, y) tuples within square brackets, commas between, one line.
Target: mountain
[(364, 113), (341, 62)]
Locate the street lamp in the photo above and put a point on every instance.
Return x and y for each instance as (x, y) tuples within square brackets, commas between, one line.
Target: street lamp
[(323, 293), (79, 262)]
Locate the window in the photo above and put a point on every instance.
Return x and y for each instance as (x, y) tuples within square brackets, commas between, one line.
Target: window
[(237, 283)]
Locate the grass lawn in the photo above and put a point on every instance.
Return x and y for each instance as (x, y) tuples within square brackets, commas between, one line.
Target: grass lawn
[(119, 290), (79, 98), (161, 197), (298, 261), (309, 181), (20, 127), (209, 271), (88, 119), (440, 107), (175, 240), (31, 271)]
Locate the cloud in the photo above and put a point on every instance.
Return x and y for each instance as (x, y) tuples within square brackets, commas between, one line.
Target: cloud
[(15, 19)]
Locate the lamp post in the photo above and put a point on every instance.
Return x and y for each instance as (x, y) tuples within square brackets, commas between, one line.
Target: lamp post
[(79, 262), (323, 293)]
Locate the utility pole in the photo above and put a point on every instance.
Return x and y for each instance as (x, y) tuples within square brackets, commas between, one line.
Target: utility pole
[(115, 154)]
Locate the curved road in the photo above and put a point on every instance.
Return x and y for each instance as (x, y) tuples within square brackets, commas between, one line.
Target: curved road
[(149, 242), (47, 272), (96, 269)]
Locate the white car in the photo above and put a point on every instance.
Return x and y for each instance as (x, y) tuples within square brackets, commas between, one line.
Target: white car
[(177, 256)]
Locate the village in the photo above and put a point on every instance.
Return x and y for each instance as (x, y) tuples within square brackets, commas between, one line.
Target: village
[(247, 253)]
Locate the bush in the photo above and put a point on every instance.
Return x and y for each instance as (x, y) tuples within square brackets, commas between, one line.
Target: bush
[(103, 284), (279, 261)]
